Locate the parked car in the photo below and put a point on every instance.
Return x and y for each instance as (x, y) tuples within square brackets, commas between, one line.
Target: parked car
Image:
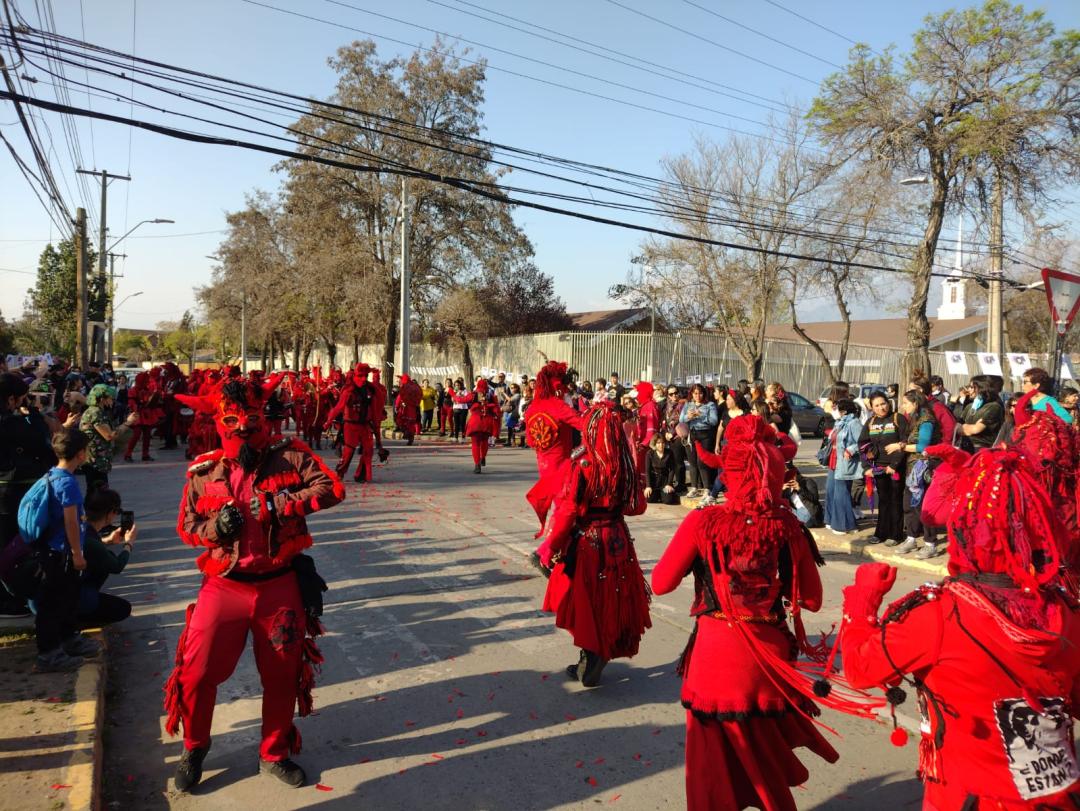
[(809, 417), (859, 392)]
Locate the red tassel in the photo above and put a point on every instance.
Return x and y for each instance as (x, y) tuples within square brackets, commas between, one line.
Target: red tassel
[(172, 686), (899, 737)]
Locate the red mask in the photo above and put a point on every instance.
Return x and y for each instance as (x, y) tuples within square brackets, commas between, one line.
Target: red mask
[(237, 408)]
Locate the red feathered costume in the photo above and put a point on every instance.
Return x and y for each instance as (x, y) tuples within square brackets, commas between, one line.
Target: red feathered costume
[(244, 505), (993, 652), (483, 421), (357, 404), (407, 408), (549, 427), (596, 588), (748, 703)]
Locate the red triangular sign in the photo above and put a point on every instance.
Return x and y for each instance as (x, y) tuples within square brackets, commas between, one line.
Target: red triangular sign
[(1063, 294)]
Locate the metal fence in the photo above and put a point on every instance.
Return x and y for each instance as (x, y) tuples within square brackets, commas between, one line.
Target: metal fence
[(677, 357)]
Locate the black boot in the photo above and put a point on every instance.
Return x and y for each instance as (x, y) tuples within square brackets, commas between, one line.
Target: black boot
[(483, 461), (476, 469), (574, 671), (284, 770), (189, 769), (594, 666)]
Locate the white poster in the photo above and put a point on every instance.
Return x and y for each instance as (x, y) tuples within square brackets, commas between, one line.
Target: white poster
[(990, 364), (697, 378), (1019, 362), (956, 363), (1066, 369), (1038, 746), (708, 377)]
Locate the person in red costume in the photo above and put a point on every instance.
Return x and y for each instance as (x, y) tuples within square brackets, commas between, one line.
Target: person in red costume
[(144, 398), (299, 393), (550, 424), (407, 408), (244, 505), (356, 405), (647, 424), (993, 652), (748, 704), (172, 384), (483, 421), (596, 588)]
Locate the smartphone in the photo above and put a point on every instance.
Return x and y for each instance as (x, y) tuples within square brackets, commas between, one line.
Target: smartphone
[(127, 520)]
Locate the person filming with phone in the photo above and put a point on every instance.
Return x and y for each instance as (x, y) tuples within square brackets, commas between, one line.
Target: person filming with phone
[(110, 537)]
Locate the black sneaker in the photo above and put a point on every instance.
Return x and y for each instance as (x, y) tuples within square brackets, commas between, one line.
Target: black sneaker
[(284, 770), (79, 645), (189, 769), (476, 469), (56, 661), (594, 666), (484, 461)]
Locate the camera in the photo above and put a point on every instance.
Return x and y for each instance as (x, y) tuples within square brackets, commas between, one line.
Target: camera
[(127, 520)]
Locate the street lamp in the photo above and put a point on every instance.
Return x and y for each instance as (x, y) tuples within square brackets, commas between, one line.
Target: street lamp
[(157, 221), (915, 180), (125, 298)]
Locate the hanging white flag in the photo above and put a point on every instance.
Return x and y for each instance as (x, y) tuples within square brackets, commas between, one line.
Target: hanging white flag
[(956, 363)]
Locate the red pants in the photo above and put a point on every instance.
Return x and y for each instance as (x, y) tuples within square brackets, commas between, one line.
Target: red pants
[(356, 436), (446, 419), (479, 447), (137, 431), (275, 427), (215, 638)]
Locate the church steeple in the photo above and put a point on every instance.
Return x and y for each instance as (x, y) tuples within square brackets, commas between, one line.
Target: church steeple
[(954, 287)]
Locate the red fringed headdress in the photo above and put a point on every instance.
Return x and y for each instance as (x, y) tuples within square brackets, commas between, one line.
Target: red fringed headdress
[(752, 463), (610, 474), (237, 407), (552, 380)]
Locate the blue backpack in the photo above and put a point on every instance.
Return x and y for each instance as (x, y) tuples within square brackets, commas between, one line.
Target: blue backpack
[(35, 513)]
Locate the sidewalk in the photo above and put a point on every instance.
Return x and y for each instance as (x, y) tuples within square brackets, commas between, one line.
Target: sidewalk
[(50, 755)]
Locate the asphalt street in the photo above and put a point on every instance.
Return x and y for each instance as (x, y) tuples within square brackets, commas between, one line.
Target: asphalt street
[(443, 686)]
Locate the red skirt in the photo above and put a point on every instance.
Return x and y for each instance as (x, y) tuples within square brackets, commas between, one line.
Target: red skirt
[(604, 604), (731, 765)]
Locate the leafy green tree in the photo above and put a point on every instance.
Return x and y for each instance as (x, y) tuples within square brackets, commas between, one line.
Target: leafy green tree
[(53, 301), (985, 99), (132, 346)]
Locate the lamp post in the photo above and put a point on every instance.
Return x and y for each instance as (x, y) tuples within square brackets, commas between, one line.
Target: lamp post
[(157, 221)]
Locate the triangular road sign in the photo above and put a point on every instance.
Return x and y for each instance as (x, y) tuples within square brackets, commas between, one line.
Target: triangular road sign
[(1063, 294)]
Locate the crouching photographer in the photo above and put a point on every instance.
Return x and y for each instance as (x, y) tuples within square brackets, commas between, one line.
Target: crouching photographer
[(105, 555)]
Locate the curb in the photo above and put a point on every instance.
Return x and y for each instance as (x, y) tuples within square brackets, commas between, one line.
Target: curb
[(83, 772), (857, 546)]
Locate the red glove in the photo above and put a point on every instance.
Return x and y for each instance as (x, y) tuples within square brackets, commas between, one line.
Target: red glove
[(863, 599)]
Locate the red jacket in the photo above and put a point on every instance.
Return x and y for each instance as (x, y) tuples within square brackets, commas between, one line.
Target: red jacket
[(549, 429), (977, 667)]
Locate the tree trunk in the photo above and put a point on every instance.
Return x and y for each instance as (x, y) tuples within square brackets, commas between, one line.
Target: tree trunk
[(814, 345), (355, 349), (466, 361), (265, 354), (331, 351), (296, 353), (307, 354), (273, 352), (918, 351), (389, 342)]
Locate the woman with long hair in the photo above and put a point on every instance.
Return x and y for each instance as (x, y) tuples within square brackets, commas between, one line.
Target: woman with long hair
[(923, 431), (885, 428), (702, 418), (596, 588)]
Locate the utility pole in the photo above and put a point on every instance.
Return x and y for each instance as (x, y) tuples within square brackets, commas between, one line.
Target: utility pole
[(105, 178), (110, 305), (993, 311), (243, 332), (80, 287), (405, 317)]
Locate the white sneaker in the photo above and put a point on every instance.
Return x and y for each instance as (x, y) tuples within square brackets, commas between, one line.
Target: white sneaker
[(910, 545)]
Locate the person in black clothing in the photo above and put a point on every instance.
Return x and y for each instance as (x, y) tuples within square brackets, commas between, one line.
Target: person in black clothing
[(797, 486), (983, 414), (885, 428), (660, 472), (97, 609), (779, 408)]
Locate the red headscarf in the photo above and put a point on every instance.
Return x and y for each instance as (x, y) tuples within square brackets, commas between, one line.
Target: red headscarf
[(752, 463), (551, 380)]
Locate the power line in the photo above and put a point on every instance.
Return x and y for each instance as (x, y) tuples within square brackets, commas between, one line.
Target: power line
[(713, 42), (761, 33), (812, 22), (495, 194)]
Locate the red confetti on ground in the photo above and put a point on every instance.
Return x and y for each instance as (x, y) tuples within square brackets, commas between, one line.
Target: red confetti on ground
[(365, 760), (648, 763), (461, 713), (481, 733), (395, 656), (570, 717), (58, 786), (130, 778), (491, 696), (438, 757), (403, 771), (615, 798), (591, 781), (460, 741), (380, 698), (637, 756), (533, 716), (598, 761), (459, 692), (579, 764), (53, 700), (410, 723), (545, 677), (656, 731), (321, 787)]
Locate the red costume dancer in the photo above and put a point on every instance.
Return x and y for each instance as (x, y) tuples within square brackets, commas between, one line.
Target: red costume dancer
[(357, 405), (245, 505), (748, 704), (596, 588), (407, 408), (483, 422), (648, 423), (298, 388), (549, 428), (144, 399), (993, 652)]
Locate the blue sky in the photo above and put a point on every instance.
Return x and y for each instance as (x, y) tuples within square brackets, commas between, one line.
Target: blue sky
[(195, 185)]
